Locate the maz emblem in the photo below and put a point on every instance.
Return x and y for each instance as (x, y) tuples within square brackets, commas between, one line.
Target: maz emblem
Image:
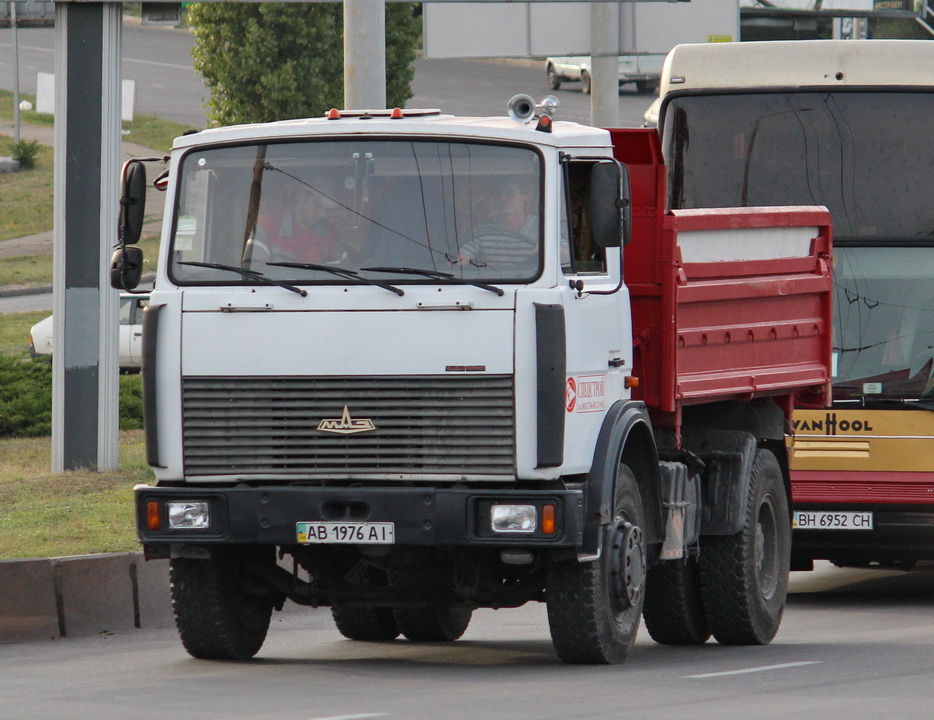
[(346, 425)]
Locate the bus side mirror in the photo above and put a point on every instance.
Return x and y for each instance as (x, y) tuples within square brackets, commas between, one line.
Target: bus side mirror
[(126, 268), (610, 204)]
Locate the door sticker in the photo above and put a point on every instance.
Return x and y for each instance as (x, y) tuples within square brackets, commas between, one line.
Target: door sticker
[(585, 393)]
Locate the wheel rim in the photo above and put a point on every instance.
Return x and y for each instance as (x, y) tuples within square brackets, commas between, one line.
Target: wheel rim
[(627, 567), (767, 551)]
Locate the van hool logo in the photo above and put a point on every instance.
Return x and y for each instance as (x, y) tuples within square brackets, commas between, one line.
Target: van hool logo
[(830, 425), (346, 425)]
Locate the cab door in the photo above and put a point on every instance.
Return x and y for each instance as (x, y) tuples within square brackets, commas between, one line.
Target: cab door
[(597, 318)]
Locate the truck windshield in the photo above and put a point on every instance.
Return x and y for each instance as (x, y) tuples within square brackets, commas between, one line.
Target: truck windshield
[(865, 155), (468, 210)]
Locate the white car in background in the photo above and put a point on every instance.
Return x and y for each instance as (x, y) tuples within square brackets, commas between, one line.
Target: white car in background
[(651, 113), (642, 70), (131, 332)]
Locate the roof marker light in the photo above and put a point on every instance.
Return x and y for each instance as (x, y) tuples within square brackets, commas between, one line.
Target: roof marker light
[(396, 114), (333, 114)]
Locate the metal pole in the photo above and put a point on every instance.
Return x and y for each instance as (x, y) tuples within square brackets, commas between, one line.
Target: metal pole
[(604, 61), (13, 24), (365, 54), (85, 367)]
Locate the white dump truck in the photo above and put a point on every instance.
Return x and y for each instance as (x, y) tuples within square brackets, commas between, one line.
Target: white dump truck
[(397, 363)]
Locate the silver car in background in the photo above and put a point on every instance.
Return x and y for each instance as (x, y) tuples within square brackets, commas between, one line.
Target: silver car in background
[(642, 70)]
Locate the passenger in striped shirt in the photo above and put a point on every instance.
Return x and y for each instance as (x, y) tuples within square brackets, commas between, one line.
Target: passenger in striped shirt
[(507, 243)]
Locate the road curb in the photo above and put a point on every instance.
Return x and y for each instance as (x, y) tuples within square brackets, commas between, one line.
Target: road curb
[(17, 291), (64, 597)]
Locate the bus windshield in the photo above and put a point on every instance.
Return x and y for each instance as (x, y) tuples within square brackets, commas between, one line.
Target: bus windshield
[(865, 155), (354, 210), (883, 323)]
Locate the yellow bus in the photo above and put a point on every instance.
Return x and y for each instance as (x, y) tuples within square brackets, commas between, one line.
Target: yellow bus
[(848, 124)]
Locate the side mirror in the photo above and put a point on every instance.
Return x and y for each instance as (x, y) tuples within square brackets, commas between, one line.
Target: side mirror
[(126, 268), (132, 203), (610, 204)]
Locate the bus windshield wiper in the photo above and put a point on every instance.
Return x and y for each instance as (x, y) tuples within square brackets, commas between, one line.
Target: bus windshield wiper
[(882, 403), (437, 275), (340, 272), (249, 275)]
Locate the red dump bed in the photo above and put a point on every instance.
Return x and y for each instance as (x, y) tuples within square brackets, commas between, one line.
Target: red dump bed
[(730, 303)]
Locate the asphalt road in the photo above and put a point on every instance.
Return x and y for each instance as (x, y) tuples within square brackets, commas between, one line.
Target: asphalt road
[(854, 644), (159, 61), (26, 303)]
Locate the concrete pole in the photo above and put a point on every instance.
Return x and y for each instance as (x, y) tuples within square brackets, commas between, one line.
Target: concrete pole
[(604, 54), (85, 366), (364, 54), (13, 25)]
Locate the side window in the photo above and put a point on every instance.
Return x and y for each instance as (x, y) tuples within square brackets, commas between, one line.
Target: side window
[(126, 309), (580, 255)]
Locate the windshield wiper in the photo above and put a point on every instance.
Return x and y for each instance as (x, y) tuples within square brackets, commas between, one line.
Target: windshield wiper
[(249, 275), (340, 272), (437, 275)]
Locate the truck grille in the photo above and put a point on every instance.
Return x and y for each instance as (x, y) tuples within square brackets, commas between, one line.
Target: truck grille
[(434, 426)]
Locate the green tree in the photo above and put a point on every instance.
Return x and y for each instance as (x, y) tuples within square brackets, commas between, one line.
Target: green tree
[(277, 61)]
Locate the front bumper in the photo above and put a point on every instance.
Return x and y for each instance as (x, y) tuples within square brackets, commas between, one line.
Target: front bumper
[(421, 516)]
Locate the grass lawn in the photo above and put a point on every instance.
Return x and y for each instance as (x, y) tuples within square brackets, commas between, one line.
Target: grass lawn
[(25, 196), (74, 513), (37, 269), (14, 331), (145, 130)]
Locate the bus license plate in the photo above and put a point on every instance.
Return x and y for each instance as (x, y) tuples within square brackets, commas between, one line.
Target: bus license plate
[(357, 533), (808, 520)]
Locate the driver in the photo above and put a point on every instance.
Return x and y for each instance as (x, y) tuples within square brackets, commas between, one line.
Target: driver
[(509, 239)]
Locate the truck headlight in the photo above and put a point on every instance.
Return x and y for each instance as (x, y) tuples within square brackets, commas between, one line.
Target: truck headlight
[(514, 518), (188, 515)]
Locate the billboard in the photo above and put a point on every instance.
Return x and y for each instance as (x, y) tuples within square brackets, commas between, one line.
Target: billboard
[(539, 29)]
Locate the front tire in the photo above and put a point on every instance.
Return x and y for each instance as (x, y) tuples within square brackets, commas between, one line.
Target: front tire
[(745, 576), (553, 82), (217, 618), (594, 608), (585, 82)]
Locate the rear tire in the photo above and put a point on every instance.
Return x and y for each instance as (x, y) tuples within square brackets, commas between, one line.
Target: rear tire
[(594, 608), (373, 624), (674, 606), (216, 617), (745, 576), (433, 624)]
